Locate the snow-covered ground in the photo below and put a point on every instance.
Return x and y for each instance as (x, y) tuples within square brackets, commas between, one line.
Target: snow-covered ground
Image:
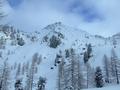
[(72, 38), (116, 87)]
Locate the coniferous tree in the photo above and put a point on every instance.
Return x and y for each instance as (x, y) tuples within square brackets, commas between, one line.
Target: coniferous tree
[(87, 54), (85, 57), (18, 85), (21, 41), (99, 78), (89, 50), (41, 83), (67, 53), (54, 42)]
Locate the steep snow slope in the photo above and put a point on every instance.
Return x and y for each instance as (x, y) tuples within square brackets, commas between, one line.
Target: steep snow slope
[(35, 43)]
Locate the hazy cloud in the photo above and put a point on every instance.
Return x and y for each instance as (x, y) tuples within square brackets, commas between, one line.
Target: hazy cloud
[(95, 16)]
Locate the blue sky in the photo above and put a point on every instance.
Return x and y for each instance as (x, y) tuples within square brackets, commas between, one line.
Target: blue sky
[(95, 16)]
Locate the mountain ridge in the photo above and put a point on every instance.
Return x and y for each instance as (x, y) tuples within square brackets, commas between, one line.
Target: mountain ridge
[(18, 47)]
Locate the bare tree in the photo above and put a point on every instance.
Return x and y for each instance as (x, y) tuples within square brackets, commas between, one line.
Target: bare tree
[(31, 72), (18, 72), (74, 74), (4, 80), (23, 69), (107, 68), (69, 74), (89, 76), (61, 75), (115, 66)]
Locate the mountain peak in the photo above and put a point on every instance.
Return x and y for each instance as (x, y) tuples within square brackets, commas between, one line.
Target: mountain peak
[(54, 25)]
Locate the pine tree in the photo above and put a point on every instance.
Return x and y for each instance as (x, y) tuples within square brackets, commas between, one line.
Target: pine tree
[(67, 54), (85, 57), (87, 54), (18, 85), (41, 83), (89, 50), (21, 41), (99, 78), (54, 41)]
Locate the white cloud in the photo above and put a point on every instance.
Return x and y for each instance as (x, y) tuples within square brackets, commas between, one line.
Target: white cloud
[(35, 14)]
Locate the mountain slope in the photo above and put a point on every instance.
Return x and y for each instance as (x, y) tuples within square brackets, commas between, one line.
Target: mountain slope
[(106, 88), (40, 42)]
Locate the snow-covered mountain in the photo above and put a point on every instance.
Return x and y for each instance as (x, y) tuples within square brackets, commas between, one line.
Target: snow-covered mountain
[(18, 48)]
